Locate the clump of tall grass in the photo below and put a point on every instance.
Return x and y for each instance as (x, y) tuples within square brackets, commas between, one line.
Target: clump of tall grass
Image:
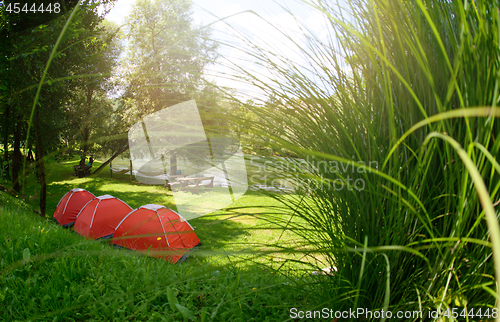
[(389, 134)]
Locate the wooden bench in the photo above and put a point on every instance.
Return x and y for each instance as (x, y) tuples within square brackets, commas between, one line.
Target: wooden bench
[(194, 187), (79, 172), (172, 181), (208, 184)]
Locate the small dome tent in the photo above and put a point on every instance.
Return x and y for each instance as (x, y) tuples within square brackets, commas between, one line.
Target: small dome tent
[(70, 205), (158, 231), (100, 216)]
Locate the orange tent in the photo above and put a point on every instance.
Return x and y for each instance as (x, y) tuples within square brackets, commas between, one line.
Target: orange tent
[(100, 216), (70, 205), (157, 231)]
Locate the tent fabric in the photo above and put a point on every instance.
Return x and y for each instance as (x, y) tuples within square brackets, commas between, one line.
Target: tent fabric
[(100, 216), (70, 205), (157, 231)]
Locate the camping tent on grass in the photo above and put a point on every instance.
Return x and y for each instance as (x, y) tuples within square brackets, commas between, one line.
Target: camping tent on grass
[(70, 205), (100, 216), (157, 231)]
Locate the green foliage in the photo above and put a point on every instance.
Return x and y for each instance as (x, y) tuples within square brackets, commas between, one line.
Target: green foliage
[(397, 206), (41, 54), (88, 111), (394, 126), (167, 54), (4, 170)]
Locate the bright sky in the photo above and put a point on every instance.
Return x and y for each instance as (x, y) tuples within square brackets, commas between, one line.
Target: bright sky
[(255, 28)]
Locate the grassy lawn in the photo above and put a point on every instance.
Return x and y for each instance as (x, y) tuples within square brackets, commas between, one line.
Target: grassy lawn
[(245, 226), (51, 273)]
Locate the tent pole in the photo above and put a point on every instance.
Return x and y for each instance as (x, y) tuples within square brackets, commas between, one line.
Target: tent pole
[(130, 169)]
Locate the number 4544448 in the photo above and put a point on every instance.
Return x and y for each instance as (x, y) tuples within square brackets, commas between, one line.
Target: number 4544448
[(462, 313), (24, 7)]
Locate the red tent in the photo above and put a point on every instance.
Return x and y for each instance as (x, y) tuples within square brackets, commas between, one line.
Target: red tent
[(156, 230), (70, 205), (100, 216)]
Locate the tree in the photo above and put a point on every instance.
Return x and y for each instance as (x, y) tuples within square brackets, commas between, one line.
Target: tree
[(89, 108), (25, 39), (166, 54), (31, 40)]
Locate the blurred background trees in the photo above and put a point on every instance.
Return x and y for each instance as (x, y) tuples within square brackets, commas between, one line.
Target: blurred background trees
[(27, 43)]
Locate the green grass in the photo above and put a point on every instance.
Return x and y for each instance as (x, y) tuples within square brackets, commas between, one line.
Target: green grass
[(51, 273), (245, 226)]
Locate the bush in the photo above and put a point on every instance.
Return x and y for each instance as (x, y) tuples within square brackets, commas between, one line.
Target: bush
[(391, 151)]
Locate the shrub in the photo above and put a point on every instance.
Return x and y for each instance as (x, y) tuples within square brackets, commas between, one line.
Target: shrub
[(389, 150)]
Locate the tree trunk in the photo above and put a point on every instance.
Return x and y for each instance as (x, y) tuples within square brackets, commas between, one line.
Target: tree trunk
[(6, 139), (30, 155), (86, 129), (16, 157), (40, 164), (173, 164), (71, 143), (125, 148), (86, 135)]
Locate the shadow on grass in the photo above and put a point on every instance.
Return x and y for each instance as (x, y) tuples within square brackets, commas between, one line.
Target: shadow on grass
[(95, 280), (215, 232), (48, 272), (225, 235)]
